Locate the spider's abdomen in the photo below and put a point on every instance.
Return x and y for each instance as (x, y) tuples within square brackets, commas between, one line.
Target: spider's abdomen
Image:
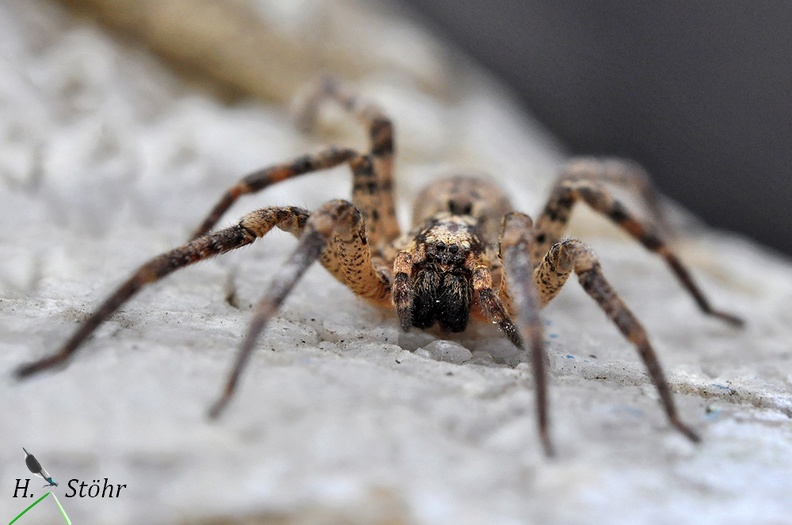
[(464, 196), (456, 222)]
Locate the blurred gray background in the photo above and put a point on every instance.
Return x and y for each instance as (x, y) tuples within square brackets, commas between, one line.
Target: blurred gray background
[(698, 92)]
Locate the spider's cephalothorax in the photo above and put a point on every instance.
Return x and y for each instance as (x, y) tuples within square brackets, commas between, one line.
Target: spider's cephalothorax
[(452, 245), (467, 255)]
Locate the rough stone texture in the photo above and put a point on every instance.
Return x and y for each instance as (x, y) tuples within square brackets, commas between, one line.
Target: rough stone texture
[(107, 158)]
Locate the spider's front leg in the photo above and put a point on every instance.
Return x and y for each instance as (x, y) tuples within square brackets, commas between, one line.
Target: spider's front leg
[(251, 227), (517, 240), (579, 182), (335, 234), (572, 255)]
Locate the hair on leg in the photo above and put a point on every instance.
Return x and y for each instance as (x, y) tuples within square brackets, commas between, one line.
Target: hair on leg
[(573, 255), (334, 234), (517, 239), (327, 158), (552, 223), (251, 227)]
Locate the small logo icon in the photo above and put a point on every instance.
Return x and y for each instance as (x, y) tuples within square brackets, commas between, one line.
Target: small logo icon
[(35, 467)]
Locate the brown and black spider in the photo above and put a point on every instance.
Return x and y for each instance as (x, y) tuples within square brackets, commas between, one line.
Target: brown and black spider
[(467, 253)]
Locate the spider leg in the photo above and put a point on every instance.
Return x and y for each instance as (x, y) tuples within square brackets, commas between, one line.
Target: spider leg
[(252, 226), (381, 144), (572, 255), (373, 193), (335, 234), (620, 172), (517, 239), (258, 180), (552, 223), (402, 292)]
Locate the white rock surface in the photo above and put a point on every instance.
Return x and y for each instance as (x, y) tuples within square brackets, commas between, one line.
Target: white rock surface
[(106, 159)]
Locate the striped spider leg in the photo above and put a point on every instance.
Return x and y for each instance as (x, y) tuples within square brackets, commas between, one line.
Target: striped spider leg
[(468, 255)]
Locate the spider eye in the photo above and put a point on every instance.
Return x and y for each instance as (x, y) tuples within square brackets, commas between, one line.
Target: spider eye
[(460, 207), (443, 253)]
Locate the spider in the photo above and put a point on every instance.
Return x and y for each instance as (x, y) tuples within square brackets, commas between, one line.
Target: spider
[(467, 253)]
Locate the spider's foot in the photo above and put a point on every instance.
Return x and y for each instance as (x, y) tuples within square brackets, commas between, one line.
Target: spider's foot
[(547, 444), (685, 430), (40, 365), (218, 407), (733, 320), (306, 110)]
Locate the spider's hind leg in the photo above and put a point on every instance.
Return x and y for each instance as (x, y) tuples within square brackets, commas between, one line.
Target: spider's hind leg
[(573, 255), (373, 193), (581, 184), (621, 173), (327, 158), (378, 190)]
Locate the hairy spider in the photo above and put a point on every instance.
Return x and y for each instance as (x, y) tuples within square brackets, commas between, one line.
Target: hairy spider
[(467, 253)]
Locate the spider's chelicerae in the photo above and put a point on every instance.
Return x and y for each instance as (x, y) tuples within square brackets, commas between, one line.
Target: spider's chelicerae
[(467, 254)]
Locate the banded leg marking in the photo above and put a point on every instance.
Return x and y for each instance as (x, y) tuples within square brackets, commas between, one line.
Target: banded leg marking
[(553, 222), (252, 226), (517, 239), (335, 235), (573, 255)]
